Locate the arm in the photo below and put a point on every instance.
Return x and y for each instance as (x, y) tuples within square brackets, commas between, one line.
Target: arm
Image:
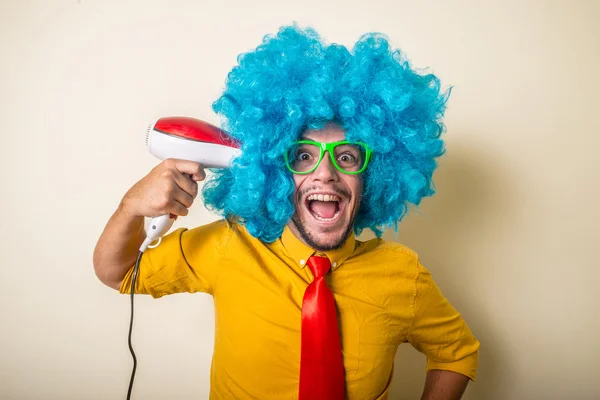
[(118, 246), (164, 190), (444, 385), (440, 332)]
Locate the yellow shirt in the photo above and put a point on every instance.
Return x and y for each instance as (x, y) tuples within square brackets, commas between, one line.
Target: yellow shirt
[(385, 297)]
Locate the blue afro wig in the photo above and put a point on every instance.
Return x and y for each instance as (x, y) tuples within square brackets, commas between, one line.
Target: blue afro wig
[(294, 81)]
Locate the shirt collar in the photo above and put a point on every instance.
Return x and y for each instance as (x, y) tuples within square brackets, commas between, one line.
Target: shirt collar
[(301, 252)]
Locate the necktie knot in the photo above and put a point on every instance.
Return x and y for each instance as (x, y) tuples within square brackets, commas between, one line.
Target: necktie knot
[(319, 266)]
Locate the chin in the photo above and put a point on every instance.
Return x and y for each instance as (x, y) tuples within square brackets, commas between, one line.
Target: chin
[(323, 239)]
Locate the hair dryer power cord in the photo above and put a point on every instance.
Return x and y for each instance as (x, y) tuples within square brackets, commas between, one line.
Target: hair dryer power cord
[(133, 279)]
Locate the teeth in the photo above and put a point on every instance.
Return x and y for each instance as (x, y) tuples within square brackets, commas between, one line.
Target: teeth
[(323, 197)]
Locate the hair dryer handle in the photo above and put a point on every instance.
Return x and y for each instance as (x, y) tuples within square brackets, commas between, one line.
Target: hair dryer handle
[(157, 227)]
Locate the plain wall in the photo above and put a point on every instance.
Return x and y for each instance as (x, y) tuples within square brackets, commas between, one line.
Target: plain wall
[(511, 235)]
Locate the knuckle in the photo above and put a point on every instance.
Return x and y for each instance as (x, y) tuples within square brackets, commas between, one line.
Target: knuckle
[(170, 188), (168, 173), (162, 204)]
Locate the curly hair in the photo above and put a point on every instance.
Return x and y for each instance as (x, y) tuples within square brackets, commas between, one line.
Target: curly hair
[(294, 81)]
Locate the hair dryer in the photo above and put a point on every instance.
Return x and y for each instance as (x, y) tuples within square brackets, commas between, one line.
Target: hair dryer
[(186, 139)]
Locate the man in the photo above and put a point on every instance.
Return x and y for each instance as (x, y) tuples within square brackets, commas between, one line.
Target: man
[(332, 143)]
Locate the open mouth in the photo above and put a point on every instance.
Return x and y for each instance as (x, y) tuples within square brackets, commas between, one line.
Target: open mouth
[(324, 207)]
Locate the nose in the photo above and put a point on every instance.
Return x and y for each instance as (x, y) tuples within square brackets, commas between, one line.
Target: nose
[(326, 171)]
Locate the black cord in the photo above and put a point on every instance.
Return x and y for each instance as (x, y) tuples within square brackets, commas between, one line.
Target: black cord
[(133, 279)]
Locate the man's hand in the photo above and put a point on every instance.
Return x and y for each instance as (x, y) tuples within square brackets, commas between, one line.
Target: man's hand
[(170, 188), (444, 385)]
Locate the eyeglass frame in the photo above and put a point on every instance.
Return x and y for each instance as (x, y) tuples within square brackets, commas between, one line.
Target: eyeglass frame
[(328, 147)]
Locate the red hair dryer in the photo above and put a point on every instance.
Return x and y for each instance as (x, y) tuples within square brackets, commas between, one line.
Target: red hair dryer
[(186, 139)]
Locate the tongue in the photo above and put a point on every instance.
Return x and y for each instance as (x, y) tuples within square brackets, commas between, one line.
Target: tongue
[(324, 209)]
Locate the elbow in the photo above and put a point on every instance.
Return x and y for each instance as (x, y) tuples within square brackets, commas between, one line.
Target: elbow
[(104, 272)]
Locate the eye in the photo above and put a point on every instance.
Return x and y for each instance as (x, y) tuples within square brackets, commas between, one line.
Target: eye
[(346, 158), (303, 156)]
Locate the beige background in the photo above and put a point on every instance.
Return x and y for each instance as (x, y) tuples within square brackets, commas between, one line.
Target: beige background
[(511, 236)]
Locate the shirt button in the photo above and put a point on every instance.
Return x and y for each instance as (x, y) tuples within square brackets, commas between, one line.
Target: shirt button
[(302, 262), (334, 264)]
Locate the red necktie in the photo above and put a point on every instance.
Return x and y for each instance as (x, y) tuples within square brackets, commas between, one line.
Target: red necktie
[(321, 367)]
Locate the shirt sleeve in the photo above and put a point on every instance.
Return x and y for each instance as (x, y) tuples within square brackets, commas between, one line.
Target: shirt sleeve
[(439, 331), (185, 261)]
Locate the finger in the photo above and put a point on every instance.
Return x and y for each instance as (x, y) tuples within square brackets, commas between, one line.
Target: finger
[(191, 168), (183, 197), (178, 209), (185, 183)]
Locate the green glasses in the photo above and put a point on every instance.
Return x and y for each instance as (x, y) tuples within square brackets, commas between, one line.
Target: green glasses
[(348, 157)]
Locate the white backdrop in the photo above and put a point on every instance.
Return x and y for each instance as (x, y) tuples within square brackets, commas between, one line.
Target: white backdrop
[(511, 236)]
